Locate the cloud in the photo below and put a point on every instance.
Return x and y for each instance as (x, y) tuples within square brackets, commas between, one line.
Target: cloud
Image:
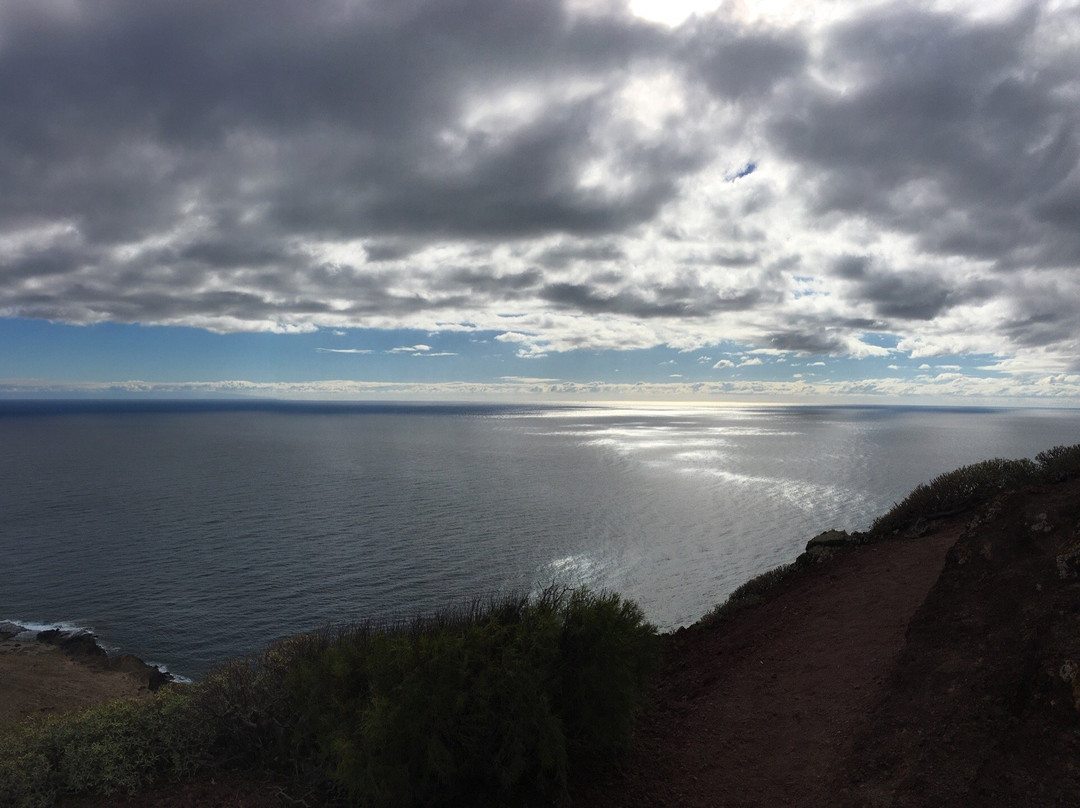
[(344, 350), (568, 176), (737, 63), (419, 350), (806, 342), (950, 129), (1035, 388), (409, 349), (680, 299)]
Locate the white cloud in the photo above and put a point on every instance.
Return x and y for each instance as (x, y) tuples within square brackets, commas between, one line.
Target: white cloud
[(788, 177), (1054, 389)]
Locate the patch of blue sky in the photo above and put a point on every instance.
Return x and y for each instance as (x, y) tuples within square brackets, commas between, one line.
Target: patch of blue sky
[(37, 349)]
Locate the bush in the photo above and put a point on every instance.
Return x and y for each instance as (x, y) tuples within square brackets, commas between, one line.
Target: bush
[(1060, 463), (748, 594), (956, 491), (492, 703), (250, 704), (482, 706), (119, 748), (26, 779), (608, 654)]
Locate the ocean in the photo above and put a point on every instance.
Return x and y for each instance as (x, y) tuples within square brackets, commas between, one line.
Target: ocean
[(191, 532)]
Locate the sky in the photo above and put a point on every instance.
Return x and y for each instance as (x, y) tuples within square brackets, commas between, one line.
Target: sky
[(860, 202)]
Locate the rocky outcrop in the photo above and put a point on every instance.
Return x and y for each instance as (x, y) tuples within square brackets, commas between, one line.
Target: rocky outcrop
[(151, 676), (80, 645), (825, 544), (83, 647)]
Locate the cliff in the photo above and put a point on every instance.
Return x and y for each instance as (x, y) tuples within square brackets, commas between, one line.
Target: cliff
[(935, 667)]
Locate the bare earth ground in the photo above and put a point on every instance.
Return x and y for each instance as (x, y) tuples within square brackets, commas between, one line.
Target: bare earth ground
[(929, 671), (37, 679), (759, 710), (933, 671)]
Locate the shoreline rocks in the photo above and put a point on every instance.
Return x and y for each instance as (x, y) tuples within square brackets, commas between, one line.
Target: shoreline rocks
[(83, 647)]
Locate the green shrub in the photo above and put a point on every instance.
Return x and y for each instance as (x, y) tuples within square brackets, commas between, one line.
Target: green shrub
[(1060, 463), (484, 705), (26, 779), (480, 706), (118, 748), (748, 594), (957, 490), (250, 704), (608, 655)]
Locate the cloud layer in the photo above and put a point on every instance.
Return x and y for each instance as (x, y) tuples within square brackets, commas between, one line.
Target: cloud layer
[(563, 173)]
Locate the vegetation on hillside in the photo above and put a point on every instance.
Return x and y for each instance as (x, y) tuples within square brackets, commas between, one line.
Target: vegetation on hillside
[(496, 703), (749, 594), (492, 704), (949, 493), (968, 486)]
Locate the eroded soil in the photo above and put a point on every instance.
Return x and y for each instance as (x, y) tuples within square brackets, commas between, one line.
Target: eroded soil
[(939, 670)]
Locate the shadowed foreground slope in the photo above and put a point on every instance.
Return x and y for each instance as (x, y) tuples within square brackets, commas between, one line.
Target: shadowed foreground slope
[(940, 666), (938, 670)]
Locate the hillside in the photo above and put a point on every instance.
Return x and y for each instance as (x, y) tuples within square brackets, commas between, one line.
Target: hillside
[(938, 664), (938, 669)]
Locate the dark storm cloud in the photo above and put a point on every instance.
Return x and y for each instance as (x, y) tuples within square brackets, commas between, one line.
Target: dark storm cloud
[(1044, 313), (686, 299), (526, 184), (269, 163), (959, 132), (738, 64), (259, 125), (807, 342), (563, 255), (116, 111), (851, 267), (378, 251), (482, 280), (920, 294)]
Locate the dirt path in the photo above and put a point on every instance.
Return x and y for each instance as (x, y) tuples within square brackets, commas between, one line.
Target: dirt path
[(756, 711)]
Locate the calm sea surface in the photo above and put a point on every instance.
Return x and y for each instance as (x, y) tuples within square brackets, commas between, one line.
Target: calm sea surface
[(190, 533)]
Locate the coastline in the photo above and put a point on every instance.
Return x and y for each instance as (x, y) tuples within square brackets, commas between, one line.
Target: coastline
[(57, 671), (934, 665)]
